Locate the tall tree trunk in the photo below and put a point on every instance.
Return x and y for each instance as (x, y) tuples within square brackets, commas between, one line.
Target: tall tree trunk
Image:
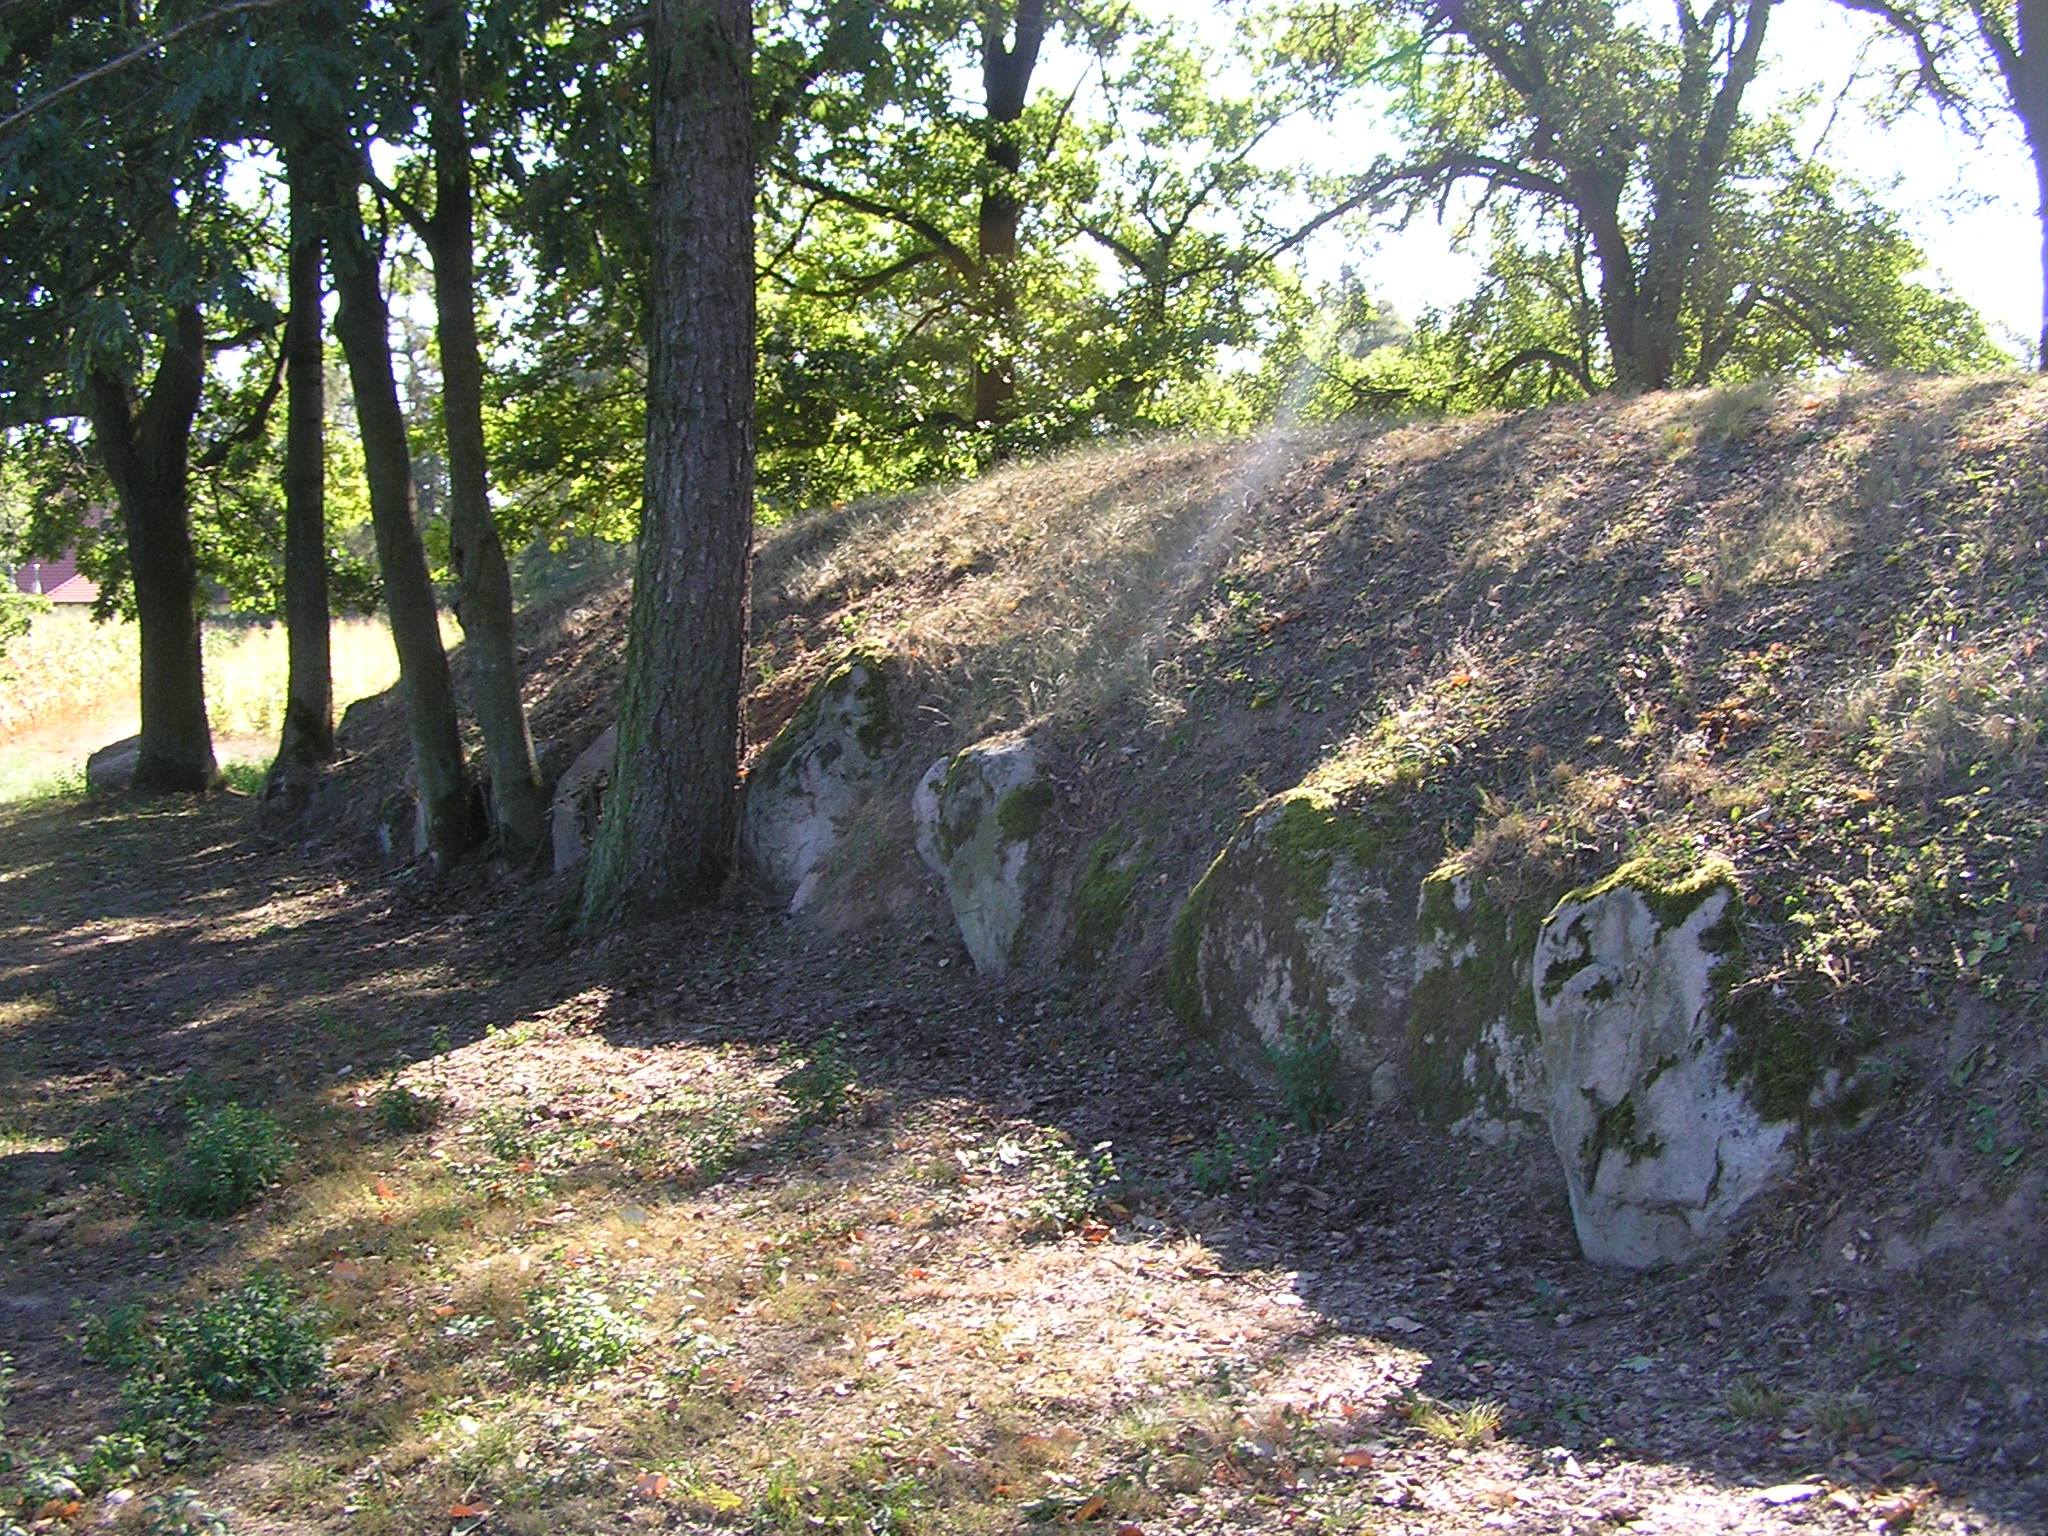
[(363, 323), (667, 833), (483, 584), (1006, 69), (308, 736), (147, 455), (2024, 63)]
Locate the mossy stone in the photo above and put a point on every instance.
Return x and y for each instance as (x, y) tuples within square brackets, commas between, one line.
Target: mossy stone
[(1102, 899)]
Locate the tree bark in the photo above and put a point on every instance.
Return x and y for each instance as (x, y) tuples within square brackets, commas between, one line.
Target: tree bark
[(308, 736), (667, 833), (147, 454), (483, 584), (2026, 69), (1006, 70), (363, 322)]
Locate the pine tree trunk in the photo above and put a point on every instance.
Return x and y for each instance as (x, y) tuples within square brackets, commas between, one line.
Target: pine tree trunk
[(147, 455), (483, 584), (363, 323), (308, 736), (667, 832)]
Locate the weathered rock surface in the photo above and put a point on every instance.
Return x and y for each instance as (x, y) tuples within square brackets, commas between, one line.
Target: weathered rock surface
[(1661, 1146), (1475, 1055), (578, 800), (1304, 922), (977, 815), (814, 776), (112, 768)]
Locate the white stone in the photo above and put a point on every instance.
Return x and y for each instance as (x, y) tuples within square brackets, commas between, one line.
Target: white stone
[(807, 787), (1624, 1005), (985, 871)]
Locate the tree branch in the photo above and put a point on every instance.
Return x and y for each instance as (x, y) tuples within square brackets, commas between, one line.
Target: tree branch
[(954, 253), (134, 55)]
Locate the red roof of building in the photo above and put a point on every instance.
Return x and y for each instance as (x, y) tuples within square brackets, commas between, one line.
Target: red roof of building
[(58, 580)]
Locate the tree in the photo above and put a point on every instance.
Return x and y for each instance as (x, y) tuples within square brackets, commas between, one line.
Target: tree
[(476, 552), (363, 322), (1977, 57), (1647, 230), (307, 738), (118, 249), (669, 824)]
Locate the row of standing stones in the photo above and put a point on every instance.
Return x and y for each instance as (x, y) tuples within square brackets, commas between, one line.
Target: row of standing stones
[(1600, 1019)]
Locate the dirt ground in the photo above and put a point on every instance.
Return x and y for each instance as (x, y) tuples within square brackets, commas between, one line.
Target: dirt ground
[(927, 1309)]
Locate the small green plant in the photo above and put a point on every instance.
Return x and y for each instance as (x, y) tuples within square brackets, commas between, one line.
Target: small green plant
[(1221, 1164), (1306, 1062), (231, 1155), (574, 1330), (403, 1111), (255, 1342), (1471, 1426), (181, 1512), (1751, 1400), (823, 1085), (1072, 1184), (1214, 1167), (509, 1134), (1840, 1415)]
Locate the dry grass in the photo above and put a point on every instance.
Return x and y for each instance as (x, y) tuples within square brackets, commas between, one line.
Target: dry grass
[(1042, 589), (1940, 705), (68, 688)]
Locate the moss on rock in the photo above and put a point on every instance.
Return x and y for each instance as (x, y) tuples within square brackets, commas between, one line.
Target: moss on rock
[(1102, 899), (1473, 1046), (1021, 812), (862, 675)]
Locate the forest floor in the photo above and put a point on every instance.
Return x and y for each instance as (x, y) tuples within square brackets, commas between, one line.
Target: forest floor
[(719, 1225)]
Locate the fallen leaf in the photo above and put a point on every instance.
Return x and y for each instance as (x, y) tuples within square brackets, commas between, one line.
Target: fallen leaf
[(383, 1191), (1400, 1324), (1358, 1458), (651, 1485), (468, 1511), (1092, 1506)]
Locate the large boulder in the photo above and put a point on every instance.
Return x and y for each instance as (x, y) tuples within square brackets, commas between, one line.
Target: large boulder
[(1303, 927), (1661, 1142), (578, 800), (811, 780), (112, 768), (1475, 1054), (978, 814)]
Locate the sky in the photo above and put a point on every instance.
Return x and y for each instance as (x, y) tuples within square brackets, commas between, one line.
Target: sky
[(1969, 204)]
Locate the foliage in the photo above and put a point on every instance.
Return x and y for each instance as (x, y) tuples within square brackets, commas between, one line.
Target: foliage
[(1072, 1185), (575, 1330), (824, 1083), (1644, 228), (1218, 1166), (253, 1343), (230, 1156), (1306, 1063), (404, 1111)]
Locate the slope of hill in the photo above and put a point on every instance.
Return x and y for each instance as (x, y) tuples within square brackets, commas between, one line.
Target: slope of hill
[(1780, 643)]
